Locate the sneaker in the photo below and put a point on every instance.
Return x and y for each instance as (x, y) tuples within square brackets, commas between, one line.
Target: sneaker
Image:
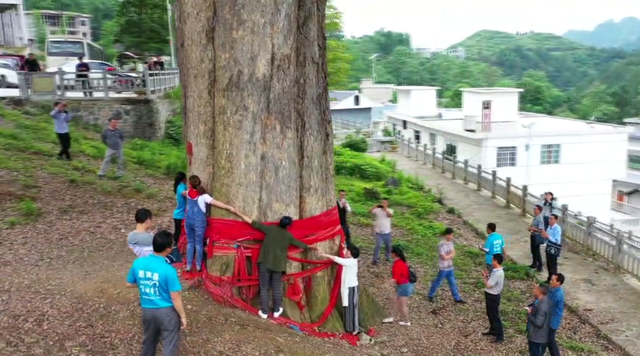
[(405, 323), (262, 315), (498, 341), (375, 263), (432, 299), (532, 266), (460, 301), (487, 333), (539, 270), (387, 320), (100, 176), (278, 312)]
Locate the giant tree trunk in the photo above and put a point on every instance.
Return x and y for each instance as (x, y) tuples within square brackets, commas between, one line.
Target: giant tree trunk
[(256, 105)]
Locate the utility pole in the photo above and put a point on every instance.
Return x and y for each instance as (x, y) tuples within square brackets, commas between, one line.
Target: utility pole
[(171, 42)]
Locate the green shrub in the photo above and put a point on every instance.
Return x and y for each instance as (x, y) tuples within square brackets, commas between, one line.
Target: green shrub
[(173, 130), (356, 144), (358, 165)]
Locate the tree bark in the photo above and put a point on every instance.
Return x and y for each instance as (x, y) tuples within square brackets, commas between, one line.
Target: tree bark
[(254, 82)]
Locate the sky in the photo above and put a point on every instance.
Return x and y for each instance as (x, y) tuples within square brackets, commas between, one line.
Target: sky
[(439, 24)]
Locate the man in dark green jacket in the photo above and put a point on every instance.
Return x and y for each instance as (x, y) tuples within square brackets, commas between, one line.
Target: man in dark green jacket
[(272, 262)]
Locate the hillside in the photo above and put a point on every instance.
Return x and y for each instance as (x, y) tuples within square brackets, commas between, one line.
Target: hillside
[(624, 34), (64, 232), (565, 62), (487, 43)]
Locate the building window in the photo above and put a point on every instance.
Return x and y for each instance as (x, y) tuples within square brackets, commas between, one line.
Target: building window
[(433, 139), (416, 137), (84, 35), (621, 197), (404, 124), (634, 163), (506, 157), (394, 128), (550, 154), (83, 23), (450, 151)]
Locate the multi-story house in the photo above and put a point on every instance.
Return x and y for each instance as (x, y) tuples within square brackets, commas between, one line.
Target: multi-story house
[(577, 160), (56, 22)]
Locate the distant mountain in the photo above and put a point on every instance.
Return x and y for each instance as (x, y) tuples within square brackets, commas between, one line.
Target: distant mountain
[(565, 62), (610, 34)]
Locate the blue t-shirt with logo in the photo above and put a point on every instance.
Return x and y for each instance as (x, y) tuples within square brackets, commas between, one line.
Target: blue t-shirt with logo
[(181, 200), (494, 246), (156, 280)]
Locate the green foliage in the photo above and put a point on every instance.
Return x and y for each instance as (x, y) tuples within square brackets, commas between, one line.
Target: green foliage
[(41, 31), (338, 60), (143, 26), (356, 143), (173, 130), (353, 164)]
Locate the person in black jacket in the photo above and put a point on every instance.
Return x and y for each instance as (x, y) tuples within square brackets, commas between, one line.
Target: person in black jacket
[(82, 75), (343, 210), (31, 64)]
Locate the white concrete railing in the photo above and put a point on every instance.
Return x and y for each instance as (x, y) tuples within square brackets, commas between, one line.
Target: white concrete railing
[(622, 248), (625, 208), (104, 84)]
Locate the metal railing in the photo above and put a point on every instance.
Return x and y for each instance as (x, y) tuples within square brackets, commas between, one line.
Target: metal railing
[(622, 248), (60, 84)]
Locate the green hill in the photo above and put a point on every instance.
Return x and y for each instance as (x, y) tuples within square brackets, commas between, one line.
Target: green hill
[(610, 34), (565, 62), (487, 42)]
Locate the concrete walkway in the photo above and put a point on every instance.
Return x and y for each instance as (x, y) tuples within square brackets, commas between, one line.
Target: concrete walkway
[(610, 301)]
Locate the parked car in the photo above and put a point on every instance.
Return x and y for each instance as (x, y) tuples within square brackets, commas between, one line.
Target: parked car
[(16, 60), (97, 68), (8, 76)]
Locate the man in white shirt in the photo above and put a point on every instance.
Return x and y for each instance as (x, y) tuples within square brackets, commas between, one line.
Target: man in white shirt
[(382, 229), (494, 283), (349, 287)]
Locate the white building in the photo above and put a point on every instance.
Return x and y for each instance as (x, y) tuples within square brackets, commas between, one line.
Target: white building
[(575, 159), (380, 93), (13, 29), (56, 21), (458, 52), (625, 193)]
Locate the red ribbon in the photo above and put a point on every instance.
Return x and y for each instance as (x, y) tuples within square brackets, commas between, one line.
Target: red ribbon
[(231, 237)]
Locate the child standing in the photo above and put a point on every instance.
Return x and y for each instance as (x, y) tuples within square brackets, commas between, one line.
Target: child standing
[(446, 253), (140, 240), (196, 221)]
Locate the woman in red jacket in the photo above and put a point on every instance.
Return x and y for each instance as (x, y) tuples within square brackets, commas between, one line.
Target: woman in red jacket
[(404, 288)]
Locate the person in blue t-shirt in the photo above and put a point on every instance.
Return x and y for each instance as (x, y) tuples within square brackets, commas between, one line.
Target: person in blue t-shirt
[(493, 246), (162, 311), (180, 190)]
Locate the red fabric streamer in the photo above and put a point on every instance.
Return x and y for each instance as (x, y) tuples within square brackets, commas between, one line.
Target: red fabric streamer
[(189, 153), (232, 238)]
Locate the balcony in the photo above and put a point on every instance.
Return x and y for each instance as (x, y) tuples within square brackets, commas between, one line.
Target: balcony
[(625, 208)]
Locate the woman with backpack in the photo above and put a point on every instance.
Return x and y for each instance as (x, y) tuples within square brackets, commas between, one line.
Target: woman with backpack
[(404, 280), (196, 220)]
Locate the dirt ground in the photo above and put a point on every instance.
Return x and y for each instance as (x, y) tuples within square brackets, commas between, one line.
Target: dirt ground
[(62, 293)]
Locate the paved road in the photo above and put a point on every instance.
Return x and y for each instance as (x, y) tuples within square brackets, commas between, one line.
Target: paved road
[(4, 93), (609, 300)]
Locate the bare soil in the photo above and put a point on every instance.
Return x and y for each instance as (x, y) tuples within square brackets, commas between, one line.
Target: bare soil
[(62, 293)]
